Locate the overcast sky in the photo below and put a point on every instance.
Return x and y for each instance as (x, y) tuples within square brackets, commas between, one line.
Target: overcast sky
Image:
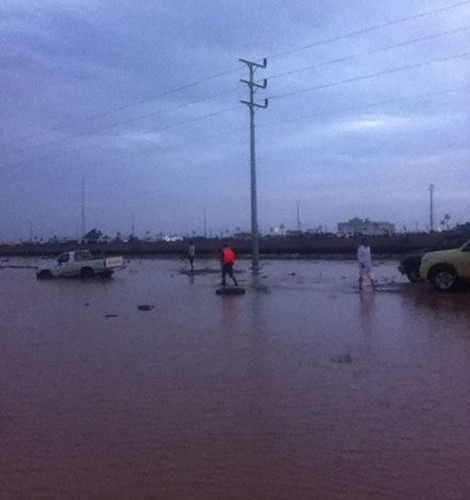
[(136, 105)]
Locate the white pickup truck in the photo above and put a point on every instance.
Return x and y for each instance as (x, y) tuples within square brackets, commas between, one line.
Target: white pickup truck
[(78, 263)]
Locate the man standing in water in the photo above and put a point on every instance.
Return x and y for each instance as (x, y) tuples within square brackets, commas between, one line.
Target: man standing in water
[(191, 254), (227, 258), (364, 259)]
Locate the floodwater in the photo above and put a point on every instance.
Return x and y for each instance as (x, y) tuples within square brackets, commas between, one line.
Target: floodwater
[(303, 388)]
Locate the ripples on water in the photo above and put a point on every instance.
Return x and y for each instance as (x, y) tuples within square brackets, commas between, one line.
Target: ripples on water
[(305, 390)]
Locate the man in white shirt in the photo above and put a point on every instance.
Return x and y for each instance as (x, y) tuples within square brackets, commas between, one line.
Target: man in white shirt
[(364, 260), (191, 254)]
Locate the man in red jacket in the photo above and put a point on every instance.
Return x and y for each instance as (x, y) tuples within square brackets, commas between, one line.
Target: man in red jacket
[(227, 258)]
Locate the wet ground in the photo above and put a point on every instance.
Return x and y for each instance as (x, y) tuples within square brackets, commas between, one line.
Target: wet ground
[(302, 388)]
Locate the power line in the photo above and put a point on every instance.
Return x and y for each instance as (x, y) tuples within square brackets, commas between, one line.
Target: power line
[(230, 71), (125, 122), (196, 101), (338, 111), (331, 84), (284, 121), (89, 146), (369, 52), (345, 81), (370, 29), (134, 104), (370, 75), (366, 106), (227, 72), (318, 87)]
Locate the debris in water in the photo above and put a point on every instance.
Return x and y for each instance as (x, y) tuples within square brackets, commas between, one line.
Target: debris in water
[(230, 291), (145, 307), (343, 358)]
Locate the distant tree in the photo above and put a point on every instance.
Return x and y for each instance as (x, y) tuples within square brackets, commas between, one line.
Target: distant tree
[(93, 236), (445, 221)]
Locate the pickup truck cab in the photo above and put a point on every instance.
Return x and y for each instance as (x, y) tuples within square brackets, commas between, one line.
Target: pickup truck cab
[(78, 263), (445, 268)]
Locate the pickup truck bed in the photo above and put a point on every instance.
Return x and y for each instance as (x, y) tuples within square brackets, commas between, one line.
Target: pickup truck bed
[(78, 263)]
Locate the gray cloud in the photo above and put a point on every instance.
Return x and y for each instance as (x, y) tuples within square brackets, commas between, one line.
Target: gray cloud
[(368, 106)]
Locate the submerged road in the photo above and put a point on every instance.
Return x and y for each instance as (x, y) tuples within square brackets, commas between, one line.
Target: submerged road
[(302, 388)]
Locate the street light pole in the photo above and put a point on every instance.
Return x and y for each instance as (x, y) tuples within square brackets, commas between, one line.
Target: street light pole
[(205, 222), (299, 226), (252, 66)]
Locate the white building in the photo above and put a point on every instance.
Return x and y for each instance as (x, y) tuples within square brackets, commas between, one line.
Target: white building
[(365, 227)]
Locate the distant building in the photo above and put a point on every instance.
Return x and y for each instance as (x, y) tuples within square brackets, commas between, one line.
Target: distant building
[(172, 238), (365, 227), (279, 230)]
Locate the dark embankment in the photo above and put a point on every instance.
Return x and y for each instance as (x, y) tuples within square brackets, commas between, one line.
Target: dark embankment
[(304, 245)]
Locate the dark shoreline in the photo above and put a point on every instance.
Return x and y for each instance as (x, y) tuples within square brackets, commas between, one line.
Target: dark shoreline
[(304, 246)]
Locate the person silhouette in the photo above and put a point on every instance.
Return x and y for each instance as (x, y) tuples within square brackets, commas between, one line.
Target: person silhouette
[(227, 258)]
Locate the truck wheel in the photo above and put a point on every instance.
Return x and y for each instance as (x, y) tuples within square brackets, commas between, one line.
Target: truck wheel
[(413, 275), (87, 272), (44, 275), (443, 278)]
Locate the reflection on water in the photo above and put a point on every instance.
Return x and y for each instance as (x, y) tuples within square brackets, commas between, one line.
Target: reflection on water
[(302, 388), (446, 305), (367, 302)]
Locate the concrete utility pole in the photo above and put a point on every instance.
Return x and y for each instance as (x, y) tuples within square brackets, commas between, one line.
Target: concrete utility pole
[(431, 207), (299, 225), (252, 66), (205, 221), (83, 208)]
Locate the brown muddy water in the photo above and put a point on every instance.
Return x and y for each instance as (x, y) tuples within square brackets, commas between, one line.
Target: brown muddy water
[(302, 388)]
